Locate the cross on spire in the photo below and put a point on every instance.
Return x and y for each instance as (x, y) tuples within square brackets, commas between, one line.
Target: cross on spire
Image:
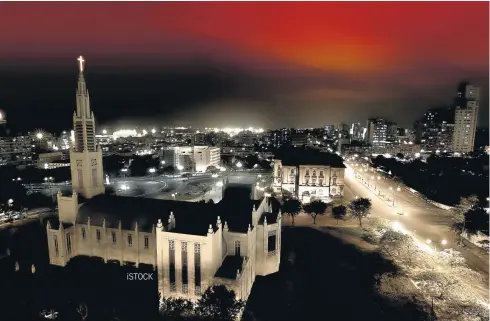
[(80, 63)]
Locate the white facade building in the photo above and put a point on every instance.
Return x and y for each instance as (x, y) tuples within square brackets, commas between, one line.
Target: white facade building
[(191, 245), (191, 158), (309, 175)]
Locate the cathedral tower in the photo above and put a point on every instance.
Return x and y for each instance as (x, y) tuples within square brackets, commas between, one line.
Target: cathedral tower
[(85, 156)]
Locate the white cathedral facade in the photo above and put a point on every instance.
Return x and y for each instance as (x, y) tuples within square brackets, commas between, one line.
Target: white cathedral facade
[(191, 245)]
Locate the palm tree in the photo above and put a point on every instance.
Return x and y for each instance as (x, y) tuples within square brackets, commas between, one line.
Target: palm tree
[(360, 208), (315, 208), (339, 212), (292, 207)]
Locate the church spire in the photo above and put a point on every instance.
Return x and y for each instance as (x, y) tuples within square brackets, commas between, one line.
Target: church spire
[(84, 123), (85, 158)]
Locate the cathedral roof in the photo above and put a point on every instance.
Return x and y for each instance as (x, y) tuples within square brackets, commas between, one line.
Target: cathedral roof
[(295, 156), (190, 217), (230, 266)]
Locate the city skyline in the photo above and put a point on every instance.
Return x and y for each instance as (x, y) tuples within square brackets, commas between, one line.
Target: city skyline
[(324, 72)]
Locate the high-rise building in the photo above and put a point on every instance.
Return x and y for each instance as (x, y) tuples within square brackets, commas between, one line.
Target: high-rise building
[(356, 131), (329, 131), (436, 130), (16, 150), (391, 132), (377, 130), (299, 137), (85, 156), (465, 118), (200, 139)]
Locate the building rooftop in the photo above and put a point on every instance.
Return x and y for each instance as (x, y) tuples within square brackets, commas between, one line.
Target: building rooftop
[(228, 269), (271, 218), (295, 156), (190, 217), (55, 223)]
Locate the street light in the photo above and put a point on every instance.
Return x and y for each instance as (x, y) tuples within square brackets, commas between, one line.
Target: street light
[(152, 172), (180, 167), (444, 242), (239, 165), (173, 196), (49, 180)]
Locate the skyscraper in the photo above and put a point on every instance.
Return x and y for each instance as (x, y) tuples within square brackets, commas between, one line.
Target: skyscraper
[(437, 127), (377, 130), (465, 118), (85, 156)]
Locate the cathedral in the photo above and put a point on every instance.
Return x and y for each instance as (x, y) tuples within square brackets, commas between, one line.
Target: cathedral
[(191, 245)]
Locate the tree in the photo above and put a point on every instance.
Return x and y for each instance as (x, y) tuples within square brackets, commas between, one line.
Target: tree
[(452, 257), (176, 307), (212, 169), (292, 207), (360, 208), (398, 246), (339, 212), (219, 303), (460, 213), (210, 201), (435, 284), (204, 188), (169, 170), (315, 208), (377, 224), (395, 286)]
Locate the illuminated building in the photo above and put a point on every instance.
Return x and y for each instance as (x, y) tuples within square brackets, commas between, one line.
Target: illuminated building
[(465, 118), (309, 174), (191, 158), (191, 245)]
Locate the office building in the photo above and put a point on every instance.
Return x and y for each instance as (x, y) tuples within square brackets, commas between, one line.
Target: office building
[(465, 118)]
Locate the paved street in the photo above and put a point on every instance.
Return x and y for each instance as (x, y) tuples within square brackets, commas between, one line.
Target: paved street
[(424, 220)]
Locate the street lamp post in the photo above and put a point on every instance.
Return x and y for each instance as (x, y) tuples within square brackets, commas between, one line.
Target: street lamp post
[(49, 181), (398, 189), (152, 172)]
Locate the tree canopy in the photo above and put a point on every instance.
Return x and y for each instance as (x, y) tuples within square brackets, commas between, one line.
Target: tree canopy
[(360, 208), (315, 208), (291, 207)]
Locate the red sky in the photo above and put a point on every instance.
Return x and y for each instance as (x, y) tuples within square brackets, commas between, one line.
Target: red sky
[(401, 44)]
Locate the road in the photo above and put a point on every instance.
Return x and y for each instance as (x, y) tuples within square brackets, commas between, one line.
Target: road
[(423, 219)]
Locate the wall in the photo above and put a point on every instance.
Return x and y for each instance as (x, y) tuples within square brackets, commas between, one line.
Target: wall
[(208, 261), (267, 263), (86, 162), (67, 207)]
